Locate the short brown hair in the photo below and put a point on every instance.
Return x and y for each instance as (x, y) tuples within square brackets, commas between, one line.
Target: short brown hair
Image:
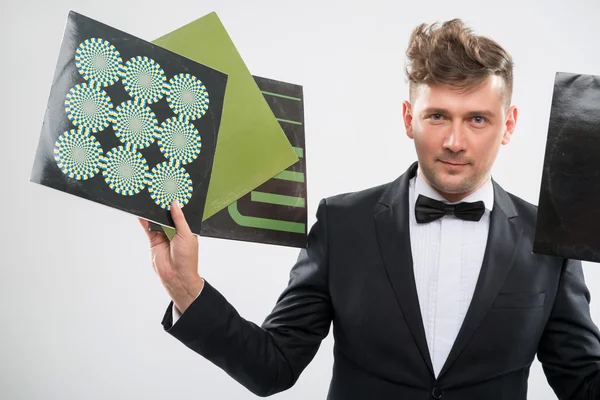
[(451, 54)]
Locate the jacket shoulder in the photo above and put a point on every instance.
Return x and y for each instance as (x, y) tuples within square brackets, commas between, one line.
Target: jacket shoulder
[(526, 211), (358, 200), (523, 207)]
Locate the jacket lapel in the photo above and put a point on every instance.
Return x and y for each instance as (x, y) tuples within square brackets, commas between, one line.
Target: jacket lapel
[(501, 250), (392, 224)]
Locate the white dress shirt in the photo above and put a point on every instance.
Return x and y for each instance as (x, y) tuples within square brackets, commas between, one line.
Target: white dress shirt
[(447, 256)]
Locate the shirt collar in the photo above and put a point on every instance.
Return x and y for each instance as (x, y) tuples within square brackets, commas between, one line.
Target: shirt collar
[(485, 192)]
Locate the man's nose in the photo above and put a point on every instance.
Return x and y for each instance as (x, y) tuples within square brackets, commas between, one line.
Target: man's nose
[(456, 140)]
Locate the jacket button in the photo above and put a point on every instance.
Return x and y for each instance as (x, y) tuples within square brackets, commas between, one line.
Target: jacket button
[(437, 393)]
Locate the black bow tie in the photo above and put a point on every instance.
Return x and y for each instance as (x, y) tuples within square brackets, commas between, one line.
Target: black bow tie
[(427, 210)]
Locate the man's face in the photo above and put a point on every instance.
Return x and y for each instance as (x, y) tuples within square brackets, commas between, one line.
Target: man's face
[(458, 133)]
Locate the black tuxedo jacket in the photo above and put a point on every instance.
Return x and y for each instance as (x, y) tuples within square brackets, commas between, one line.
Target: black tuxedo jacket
[(357, 272)]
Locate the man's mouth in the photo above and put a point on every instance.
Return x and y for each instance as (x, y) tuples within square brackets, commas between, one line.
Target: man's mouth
[(454, 163)]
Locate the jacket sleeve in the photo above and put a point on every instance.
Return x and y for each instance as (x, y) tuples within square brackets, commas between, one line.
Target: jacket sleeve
[(569, 349), (265, 359)]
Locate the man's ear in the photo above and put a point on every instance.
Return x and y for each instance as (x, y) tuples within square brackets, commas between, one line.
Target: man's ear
[(407, 116), (510, 124)]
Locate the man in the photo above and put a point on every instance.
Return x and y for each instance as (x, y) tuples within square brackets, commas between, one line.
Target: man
[(430, 280)]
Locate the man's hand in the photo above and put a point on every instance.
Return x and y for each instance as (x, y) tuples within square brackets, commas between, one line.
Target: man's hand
[(176, 261)]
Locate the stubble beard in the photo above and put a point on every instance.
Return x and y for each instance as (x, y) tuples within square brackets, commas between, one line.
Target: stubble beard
[(467, 184)]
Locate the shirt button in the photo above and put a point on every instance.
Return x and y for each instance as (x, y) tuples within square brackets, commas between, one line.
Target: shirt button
[(437, 393)]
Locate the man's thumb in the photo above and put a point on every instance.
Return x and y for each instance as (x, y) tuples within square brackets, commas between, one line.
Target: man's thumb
[(181, 224)]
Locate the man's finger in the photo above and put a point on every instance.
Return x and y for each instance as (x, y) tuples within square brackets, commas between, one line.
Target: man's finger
[(181, 224), (154, 237), (146, 225)]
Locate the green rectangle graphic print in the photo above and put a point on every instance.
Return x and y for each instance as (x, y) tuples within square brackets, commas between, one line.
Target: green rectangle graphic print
[(251, 146)]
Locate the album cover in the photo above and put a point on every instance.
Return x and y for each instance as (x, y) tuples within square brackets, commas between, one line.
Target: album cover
[(252, 147), (568, 217), (129, 124), (275, 212)]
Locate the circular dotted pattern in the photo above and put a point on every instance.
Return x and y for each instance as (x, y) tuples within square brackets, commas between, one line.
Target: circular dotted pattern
[(144, 79), (78, 154), (187, 96), (125, 170), (135, 123), (179, 140), (98, 61), (169, 181), (89, 107)]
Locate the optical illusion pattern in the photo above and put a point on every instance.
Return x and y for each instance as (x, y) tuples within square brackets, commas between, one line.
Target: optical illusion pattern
[(78, 154), (98, 61), (89, 108), (170, 181), (187, 96), (125, 170), (179, 140), (144, 79), (136, 124)]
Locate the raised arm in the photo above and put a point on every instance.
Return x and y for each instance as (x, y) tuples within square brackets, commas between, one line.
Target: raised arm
[(265, 359)]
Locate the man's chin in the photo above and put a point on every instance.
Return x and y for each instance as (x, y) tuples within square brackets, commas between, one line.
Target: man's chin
[(451, 184)]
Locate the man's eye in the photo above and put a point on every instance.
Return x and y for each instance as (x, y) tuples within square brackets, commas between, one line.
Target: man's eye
[(479, 120), (436, 117)]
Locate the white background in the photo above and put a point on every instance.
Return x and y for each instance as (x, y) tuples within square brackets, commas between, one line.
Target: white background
[(80, 306)]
